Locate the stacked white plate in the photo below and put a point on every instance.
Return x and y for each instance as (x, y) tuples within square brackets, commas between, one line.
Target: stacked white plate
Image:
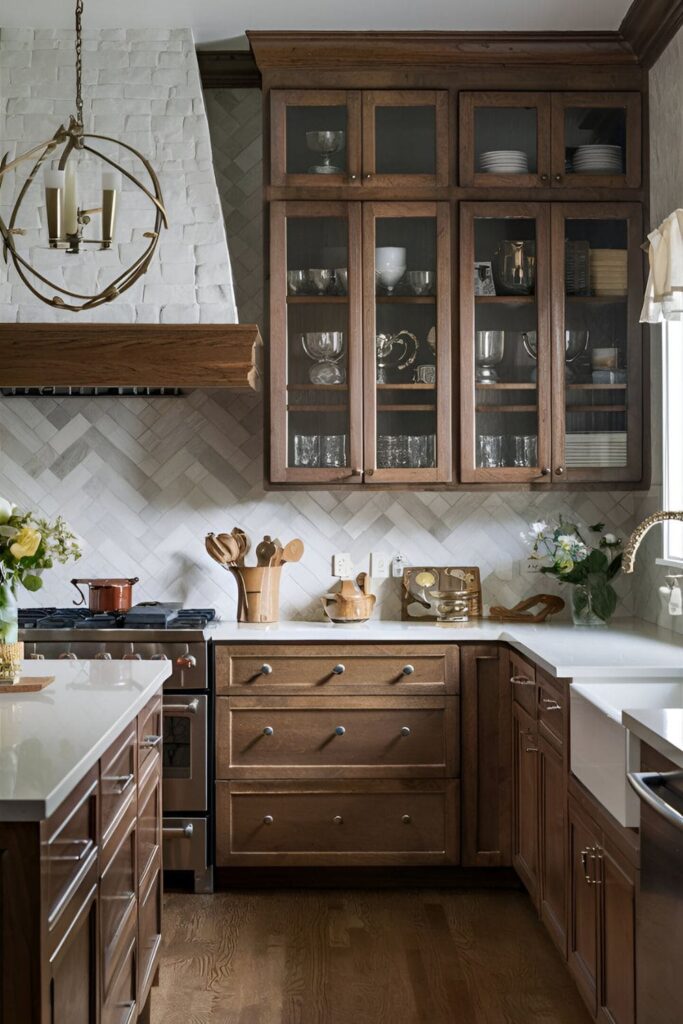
[(504, 161), (606, 449), (598, 160)]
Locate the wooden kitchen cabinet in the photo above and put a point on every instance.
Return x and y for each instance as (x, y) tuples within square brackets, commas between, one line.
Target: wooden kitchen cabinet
[(525, 799), (486, 781), (552, 852)]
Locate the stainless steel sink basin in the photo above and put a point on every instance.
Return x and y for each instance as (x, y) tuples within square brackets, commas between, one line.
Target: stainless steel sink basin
[(599, 750)]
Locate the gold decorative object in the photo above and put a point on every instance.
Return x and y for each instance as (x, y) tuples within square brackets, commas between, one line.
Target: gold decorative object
[(628, 556), (421, 582), (10, 663), (66, 220)]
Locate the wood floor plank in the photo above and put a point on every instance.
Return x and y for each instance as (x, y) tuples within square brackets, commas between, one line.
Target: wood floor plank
[(360, 957)]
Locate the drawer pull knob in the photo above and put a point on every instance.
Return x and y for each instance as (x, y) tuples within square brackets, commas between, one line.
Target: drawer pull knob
[(339, 669), (268, 819), (266, 669), (338, 820), (268, 731), (408, 670), (531, 750), (405, 730), (340, 730), (178, 831), (406, 819), (122, 782), (551, 705), (151, 741), (186, 661)]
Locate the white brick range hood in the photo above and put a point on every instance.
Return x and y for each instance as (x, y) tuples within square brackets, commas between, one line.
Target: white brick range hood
[(143, 87)]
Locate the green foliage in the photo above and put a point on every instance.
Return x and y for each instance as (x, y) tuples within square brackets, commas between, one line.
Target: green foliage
[(38, 544)]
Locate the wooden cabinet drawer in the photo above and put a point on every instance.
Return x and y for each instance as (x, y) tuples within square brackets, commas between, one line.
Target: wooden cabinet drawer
[(149, 935), (150, 728), (149, 822), (344, 668), (118, 1001), (401, 822), (117, 896), (117, 781), (551, 709), (372, 737), (69, 845), (523, 682)]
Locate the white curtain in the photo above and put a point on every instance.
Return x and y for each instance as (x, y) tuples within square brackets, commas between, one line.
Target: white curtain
[(664, 292)]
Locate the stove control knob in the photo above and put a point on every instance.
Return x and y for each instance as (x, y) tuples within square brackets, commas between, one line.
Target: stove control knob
[(68, 656), (37, 657), (186, 661), (160, 657), (103, 656), (132, 657)]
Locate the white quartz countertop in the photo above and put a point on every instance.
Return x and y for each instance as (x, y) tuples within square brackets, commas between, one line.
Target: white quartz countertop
[(626, 648), (50, 739), (662, 729)]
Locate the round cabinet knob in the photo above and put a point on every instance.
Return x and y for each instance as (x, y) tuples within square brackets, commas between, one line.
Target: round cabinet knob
[(368, 177), (406, 819), (268, 819), (408, 670), (544, 177), (559, 471), (268, 731), (266, 669), (558, 177), (338, 820), (339, 669), (353, 177), (186, 661), (405, 730), (545, 471), (340, 730)]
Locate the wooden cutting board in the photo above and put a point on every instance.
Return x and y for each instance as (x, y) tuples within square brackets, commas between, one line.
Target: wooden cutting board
[(27, 684)]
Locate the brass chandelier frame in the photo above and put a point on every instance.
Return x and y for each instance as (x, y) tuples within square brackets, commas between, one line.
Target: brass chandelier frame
[(73, 137)]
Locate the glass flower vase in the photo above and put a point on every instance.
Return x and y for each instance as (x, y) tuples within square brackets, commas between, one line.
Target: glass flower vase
[(582, 608), (11, 651)]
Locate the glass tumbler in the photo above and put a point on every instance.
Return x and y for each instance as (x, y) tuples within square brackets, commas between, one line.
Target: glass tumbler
[(306, 450), (333, 450), (490, 451), (524, 450)]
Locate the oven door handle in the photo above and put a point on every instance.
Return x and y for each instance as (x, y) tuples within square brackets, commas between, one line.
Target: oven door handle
[(192, 707), (642, 783)]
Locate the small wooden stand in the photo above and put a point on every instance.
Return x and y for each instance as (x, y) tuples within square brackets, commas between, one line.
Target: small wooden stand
[(27, 684)]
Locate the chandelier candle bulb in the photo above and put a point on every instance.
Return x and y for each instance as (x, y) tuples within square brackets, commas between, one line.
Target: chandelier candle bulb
[(111, 184), (54, 204), (71, 198)]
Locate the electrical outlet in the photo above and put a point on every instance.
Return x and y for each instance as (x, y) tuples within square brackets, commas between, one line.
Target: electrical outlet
[(398, 564), (531, 567), (379, 565), (342, 565)]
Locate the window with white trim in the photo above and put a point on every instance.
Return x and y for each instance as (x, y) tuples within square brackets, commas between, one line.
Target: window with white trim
[(672, 435)]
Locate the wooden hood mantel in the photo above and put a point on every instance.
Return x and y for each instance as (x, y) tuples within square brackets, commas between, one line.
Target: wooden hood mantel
[(130, 355)]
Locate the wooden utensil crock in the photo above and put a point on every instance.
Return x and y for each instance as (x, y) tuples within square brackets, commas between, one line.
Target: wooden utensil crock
[(258, 589)]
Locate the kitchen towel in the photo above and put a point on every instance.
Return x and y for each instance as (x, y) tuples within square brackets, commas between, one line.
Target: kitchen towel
[(664, 291)]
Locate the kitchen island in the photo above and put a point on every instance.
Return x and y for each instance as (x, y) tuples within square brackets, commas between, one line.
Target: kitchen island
[(80, 842)]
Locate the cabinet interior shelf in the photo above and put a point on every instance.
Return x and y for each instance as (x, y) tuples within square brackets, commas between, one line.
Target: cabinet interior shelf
[(307, 300), (317, 408), (597, 299), (406, 408), (415, 300), (317, 387), (406, 387), (506, 408), (597, 387), (514, 300), (508, 386), (596, 408)]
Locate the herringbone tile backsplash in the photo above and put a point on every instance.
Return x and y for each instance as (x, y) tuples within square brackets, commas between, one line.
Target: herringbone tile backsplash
[(142, 480)]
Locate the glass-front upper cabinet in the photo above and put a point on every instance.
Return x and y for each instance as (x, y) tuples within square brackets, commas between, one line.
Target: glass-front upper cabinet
[(597, 342), (374, 138), (315, 343), (596, 140), (505, 139), (315, 137), (505, 343), (405, 137), (407, 375)]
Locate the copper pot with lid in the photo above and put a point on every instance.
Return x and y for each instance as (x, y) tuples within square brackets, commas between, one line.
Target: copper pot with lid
[(108, 595)]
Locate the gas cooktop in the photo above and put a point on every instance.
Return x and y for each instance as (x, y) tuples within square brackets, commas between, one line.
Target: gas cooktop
[(146, 615)]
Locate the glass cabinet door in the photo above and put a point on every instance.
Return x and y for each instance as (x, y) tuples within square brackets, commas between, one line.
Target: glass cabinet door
[(505, 139), (597, 342), (405, 137), (406, 287), (315, 137), (315, 342), (596, 140), (505, 343)]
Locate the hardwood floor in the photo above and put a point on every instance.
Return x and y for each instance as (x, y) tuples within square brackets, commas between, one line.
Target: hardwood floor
[(360, 957)]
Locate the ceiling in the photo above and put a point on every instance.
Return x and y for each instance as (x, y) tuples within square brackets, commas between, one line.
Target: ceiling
[(220, 21)]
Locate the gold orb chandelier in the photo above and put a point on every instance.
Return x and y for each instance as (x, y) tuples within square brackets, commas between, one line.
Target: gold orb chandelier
[(66, 220)]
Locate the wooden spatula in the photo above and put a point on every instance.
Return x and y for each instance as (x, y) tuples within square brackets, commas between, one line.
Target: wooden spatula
[(292, 551)]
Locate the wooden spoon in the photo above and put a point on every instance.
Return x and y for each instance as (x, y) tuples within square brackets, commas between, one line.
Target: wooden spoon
[(265, 551), (292, 551), (243, 542), (230, 544)]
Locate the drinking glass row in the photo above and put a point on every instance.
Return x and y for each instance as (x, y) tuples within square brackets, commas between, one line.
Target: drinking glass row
[(499, 450)]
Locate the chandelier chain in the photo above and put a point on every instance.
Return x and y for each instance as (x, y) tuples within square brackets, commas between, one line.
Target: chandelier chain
[(79, 62)]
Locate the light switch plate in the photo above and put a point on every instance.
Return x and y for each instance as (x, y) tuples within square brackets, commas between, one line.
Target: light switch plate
[(342, 565), (531, 567), (379, 565)]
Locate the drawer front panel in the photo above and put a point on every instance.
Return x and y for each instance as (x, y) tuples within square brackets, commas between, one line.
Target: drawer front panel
[(344, 668), (296, 737), (119, 1004), (149, 935), (150, 727), (149, 824), (551, 710), (69, 845), (523, 683), (362, 823), (117, 896), (117, 780)]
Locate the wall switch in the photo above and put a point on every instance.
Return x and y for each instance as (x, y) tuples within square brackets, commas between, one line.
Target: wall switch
[(342, 565), (398, 565), (379, 565), (531, 567)]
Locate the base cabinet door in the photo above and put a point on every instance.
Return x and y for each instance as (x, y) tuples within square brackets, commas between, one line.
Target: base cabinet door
[(618, 915), (552, 843), (73, 974), (583, 938), (525, 799)]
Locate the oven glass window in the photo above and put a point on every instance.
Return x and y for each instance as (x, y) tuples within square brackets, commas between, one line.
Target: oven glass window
[(177, 746)]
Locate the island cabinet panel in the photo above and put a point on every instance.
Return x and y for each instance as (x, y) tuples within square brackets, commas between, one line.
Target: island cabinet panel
[(321, 669), (486, 778), (79, 932), (552, 853), (525, 799)]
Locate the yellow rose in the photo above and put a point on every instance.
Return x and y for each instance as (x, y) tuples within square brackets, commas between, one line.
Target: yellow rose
[(26, 543)]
